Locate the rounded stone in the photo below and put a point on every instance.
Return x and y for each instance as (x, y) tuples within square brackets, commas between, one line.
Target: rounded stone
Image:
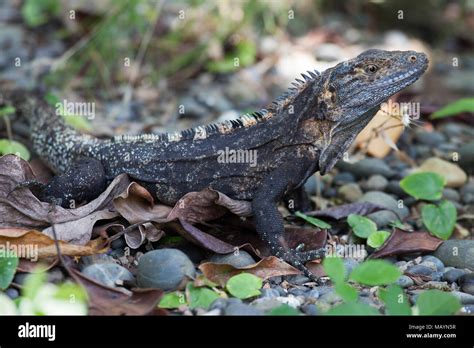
[(454, 175), (420, 270), (239, 309), (456, 253), (238, 260), (166, 269), (467, 283), (387, 201), (343, 178), (108, 274), (438, 263), (376, 183), (405, 281), (350, 192)]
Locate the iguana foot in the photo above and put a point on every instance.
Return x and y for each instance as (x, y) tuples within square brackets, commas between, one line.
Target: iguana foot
[(299, 258)]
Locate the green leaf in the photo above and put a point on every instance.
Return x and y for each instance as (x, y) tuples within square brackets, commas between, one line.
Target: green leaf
[(375, 272), (33, 283), (426, 185), (172, 300), (8, 264), (71, 292), (284, 309), (396, 303), (440, 220), (436, 302), (244, 285), (36, 13), (347, 292), (14, 147), (363, 227), (78, 122), (353, 308), (200, 297), (376, 239), (334, 268), (312, 220), (7, 110), (457, 107)]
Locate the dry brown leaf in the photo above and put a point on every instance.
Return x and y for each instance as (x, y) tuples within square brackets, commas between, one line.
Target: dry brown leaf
[(135, 204), (379, 146), (402, 242), (41, 246), (20, 208), (109, 301), (196, 207), (266, 268)]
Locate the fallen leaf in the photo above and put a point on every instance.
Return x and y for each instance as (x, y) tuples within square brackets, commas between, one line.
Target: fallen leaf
[(135, 204), (109, 301), (144, 232), (312, 238), (343, 211), (266, 268), (402, 242), (203, 239), (371, 137), (197, 207), (20, 207), (35, 244)]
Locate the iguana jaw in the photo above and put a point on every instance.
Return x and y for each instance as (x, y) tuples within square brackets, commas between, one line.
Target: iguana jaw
[(351, 95)]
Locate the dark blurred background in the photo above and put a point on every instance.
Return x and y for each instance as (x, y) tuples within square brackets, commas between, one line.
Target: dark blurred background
[(140, 60)]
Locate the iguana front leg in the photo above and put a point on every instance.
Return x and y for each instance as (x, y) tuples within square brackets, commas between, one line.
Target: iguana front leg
[(82, 182), (268, 220)]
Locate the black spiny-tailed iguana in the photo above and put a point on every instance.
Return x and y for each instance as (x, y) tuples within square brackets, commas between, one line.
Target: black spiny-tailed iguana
[(306, 130)]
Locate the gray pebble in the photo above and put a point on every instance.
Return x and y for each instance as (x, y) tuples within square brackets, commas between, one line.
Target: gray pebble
[(297, 292), (438, 263), (464, 297), (313, 294), (310, 309), (387, 201), (343, 178), (430, 138), (167, 269), (281, 291), (108, 274), (12, 293), (349, 265), (457, 253), (451, 195), (350, 192), (453, 275), (382, 218), (242, 309), (468, 309), (367, 167), (297, 279), (376, 183), (269, 292), (238, 260), (467, 283), (420, 270), (405, 281)]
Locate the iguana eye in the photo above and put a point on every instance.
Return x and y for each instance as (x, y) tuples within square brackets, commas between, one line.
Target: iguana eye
[(371, 68)]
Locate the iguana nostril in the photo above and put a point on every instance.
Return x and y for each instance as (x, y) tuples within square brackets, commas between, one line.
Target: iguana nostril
[(412, 59)]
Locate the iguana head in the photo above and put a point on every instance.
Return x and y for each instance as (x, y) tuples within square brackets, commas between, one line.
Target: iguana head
[(350, 94)]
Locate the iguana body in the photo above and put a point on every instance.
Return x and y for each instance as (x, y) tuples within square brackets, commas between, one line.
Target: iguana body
[(306, 130)]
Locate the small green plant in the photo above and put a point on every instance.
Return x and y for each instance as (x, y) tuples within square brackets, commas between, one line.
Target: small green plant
[(244, 285), (439, 219), (8, 264), (454, 108), (313, 221), (365, 228), (41, 298), (383, 274)]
